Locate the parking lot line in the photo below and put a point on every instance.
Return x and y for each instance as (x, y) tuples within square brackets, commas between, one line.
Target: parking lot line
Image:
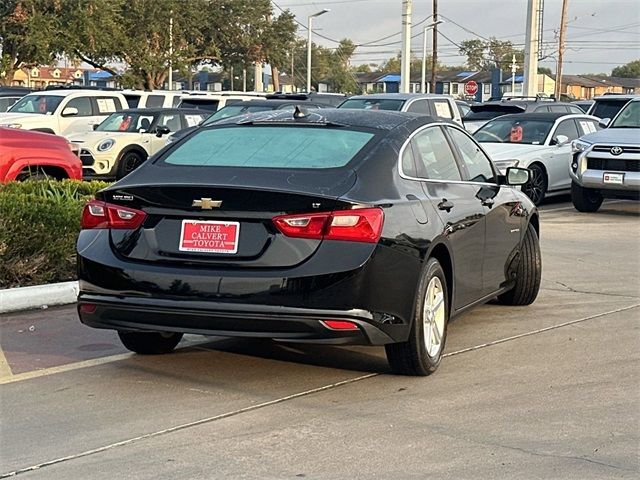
[(5, 369), (280, 399)]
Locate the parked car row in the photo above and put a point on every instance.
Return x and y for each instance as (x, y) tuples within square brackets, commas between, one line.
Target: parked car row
[(534, 133)]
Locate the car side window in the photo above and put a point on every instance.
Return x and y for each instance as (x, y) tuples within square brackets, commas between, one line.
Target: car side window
[(176, 101), (441, 108), (558, 108), (567, 128), (476, 162), (155, 101), (408, 163), (171, 121), (107, 105), (434, 157), (419, 106), (83, 104), (574, 109), (541, 110)]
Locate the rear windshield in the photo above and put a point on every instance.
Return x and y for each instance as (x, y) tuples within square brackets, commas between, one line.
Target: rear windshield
[(270, 147), (514, 130), (608, 108), (373, 104), (201, 104), (234, 110), (629, 116)]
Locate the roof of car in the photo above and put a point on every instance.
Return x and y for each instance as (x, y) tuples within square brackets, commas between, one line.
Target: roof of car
[(397, 96), (75, 91), (270, 102), (618, 96), (379, 120), (155, 110), (551, 116)]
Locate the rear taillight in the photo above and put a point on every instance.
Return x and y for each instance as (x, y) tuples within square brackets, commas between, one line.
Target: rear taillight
[(97, 214), (358, 225)]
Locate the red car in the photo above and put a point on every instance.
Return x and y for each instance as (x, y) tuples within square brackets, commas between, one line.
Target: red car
[(25, 154)]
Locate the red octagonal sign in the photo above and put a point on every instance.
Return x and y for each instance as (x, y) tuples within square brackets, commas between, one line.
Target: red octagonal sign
[(470, 88)]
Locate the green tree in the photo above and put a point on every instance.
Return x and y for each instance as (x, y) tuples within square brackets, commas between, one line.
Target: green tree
[(491, 53), (28, 35), (629, 70)]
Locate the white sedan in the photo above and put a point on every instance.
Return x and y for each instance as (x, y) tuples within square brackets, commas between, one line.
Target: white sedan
[(540, 142)]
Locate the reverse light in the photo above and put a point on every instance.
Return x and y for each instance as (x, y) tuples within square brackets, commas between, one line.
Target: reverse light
[(339, 325), (99, 215), (358, 225)]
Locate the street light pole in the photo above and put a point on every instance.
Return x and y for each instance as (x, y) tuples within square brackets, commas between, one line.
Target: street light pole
[(405, 60), (309, 23), (423, 81)]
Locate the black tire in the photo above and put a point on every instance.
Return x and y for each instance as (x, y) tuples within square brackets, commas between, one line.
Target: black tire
[(128, 162), (412, 357), (536, 187), (30, 175), (529, 272), (150, 343), (585, 199)]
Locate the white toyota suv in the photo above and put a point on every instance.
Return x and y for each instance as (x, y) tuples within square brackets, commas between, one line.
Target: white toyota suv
[(63, 112)]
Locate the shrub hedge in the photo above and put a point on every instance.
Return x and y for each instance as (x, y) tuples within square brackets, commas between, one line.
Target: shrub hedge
[(39, 223)]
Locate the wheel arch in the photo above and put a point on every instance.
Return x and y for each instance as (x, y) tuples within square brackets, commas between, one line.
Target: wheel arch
[(534, 221), (441, 253)]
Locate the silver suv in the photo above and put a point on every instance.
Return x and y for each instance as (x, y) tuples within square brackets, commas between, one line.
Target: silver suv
[(606, 164)]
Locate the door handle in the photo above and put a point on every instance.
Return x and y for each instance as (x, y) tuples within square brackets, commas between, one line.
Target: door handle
[(488, 202), (445, 205)]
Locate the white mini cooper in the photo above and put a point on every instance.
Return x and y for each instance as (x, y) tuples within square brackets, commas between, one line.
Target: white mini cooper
[(126, 139)]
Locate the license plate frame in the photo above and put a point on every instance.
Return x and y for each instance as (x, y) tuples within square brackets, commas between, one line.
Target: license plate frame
[(614, 178), (209, 236)]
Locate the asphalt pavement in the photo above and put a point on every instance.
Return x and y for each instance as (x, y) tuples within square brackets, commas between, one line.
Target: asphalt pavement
[(546, 391)]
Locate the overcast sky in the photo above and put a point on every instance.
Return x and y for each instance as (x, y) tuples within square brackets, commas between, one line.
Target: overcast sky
[(601, 34)]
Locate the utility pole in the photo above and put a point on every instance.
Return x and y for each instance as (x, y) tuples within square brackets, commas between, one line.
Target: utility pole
[(434, 51), (563, 26), (529, 86), (244, 78), (171, 50), (231, 78), (405, 59)]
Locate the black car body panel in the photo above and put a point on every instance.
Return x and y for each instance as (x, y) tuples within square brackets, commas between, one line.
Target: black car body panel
[(282, 287)]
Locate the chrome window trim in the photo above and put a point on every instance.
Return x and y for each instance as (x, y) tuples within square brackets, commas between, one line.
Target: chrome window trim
[(432, 180)]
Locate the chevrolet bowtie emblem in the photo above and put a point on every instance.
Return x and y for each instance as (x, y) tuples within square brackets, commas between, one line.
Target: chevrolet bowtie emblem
[(207, 203)]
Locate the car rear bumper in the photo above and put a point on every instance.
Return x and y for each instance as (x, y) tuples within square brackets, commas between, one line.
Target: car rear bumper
[(229, 320), (339, 282)]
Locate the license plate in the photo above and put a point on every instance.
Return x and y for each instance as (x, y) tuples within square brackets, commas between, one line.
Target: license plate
[(616, 178), (209, 236)]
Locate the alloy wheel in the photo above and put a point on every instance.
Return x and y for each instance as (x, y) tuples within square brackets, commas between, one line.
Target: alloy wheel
[(433, 317)]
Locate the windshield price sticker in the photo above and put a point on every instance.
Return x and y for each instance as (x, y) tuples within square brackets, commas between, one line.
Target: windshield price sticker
[(209, 236)]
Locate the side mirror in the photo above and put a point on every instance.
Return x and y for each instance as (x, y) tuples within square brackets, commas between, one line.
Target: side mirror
[(517, 176), (604, 122), (561, 140), (70, 112), (162, 130), (95, 126)]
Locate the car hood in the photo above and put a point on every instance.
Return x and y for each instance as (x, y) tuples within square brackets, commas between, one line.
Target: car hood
[(94, 137), (614, 135), (507, 151), (30, 118)]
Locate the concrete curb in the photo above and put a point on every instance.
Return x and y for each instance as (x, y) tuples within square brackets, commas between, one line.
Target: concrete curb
[(26, 298)]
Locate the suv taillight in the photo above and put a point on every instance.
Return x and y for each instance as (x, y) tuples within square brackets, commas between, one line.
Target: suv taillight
[(357, 225), (97, 214)]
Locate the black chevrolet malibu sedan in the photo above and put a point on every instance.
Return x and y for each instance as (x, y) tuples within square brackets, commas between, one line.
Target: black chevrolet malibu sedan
[(341, 227)]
